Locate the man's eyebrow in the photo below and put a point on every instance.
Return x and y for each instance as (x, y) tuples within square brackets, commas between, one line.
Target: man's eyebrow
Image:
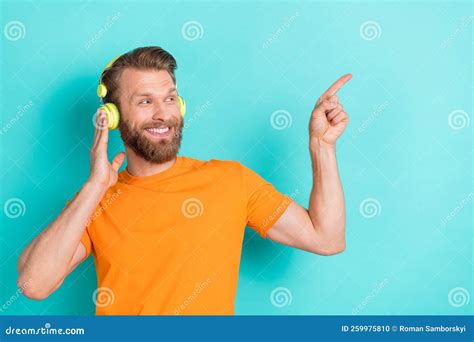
[(149, 94)]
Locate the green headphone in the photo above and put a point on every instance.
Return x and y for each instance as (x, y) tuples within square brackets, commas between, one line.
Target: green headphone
[(113, 114)]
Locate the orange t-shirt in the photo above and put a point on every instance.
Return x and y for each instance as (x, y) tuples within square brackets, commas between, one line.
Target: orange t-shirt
[(170, 243)]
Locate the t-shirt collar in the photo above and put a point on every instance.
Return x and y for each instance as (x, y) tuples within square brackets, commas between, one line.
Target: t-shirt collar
[(128, 178)]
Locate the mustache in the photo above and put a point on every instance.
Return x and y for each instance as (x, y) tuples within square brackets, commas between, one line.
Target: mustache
[(163, 123), (175, 125)]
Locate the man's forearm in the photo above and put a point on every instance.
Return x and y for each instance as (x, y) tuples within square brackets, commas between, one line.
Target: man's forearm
[(45, 260), (326, 205)]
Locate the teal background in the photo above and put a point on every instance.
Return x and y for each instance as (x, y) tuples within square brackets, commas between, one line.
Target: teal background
[(250, 60)]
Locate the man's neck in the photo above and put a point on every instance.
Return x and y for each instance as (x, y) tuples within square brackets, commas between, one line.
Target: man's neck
[(139, 167)]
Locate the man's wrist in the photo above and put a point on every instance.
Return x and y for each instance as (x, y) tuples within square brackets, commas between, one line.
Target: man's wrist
[(93, 187), (316, 145)]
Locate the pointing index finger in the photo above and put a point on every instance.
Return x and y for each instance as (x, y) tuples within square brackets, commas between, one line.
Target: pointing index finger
[(336, 86)]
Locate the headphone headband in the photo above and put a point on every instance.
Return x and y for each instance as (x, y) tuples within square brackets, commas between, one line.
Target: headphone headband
[(101, 88)]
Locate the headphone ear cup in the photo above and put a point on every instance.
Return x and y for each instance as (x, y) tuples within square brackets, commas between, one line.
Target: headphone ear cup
[(113, 115), (181, 106)]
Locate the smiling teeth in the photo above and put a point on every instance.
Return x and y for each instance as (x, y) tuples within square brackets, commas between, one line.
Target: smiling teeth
[(158, 130)]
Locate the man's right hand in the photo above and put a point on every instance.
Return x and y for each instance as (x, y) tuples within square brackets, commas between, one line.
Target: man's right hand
[(52, 255), (103, 173)]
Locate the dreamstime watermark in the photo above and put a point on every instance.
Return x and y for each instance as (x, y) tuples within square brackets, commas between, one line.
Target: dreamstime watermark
[(199, 288), (287, 23), (108, 201), (14, 30), (280, 297), (466, 21), (14, 208), (281, 119), (103, 296), (370, 30), (378, 287), (100, 125), (14, 297), (46, 330), (280, 208), (109, 22), (192, 30), (192, 208), (372, 117), (458, 119), (196, 114), (458, 297), (21, 110), (370, 207), (457, 209)]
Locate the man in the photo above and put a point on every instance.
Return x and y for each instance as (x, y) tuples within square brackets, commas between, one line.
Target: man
[(166, 232)]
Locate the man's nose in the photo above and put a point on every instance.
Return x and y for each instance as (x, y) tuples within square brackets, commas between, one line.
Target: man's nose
[(159, 112)]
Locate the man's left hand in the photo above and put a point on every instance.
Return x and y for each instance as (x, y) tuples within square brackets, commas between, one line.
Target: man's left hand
[(328, 119)]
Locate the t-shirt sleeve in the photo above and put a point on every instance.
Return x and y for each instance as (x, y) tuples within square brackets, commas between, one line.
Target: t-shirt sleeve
[(85, 238), (265, 204)]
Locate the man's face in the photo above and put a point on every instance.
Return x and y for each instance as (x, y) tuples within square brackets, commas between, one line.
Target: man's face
[(151, 124)]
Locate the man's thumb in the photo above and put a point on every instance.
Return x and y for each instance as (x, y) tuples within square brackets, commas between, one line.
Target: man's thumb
[(118, 161)]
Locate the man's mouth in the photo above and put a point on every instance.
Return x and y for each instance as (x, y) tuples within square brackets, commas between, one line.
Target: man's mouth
[(161, 132)]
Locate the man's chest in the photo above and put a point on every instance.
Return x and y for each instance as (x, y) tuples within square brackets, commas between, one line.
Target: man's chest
[(141, 230)]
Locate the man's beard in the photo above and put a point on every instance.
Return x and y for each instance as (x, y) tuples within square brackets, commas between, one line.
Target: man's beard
[(158, 152)]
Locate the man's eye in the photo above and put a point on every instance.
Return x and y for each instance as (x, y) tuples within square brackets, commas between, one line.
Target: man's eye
[(169, 99), (146, 101)]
